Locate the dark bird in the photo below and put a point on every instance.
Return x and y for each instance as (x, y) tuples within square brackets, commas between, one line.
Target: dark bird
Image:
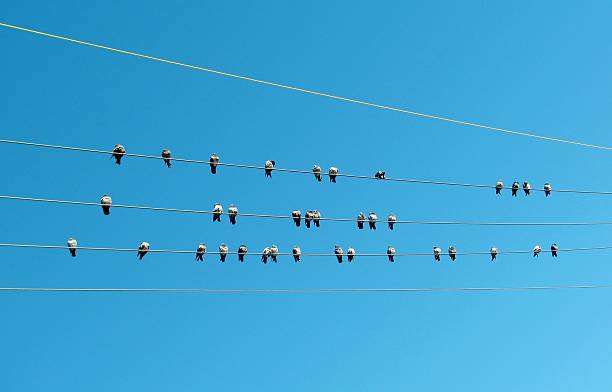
[(338, 252), (316, 170), (274, 252), (269, 167), (536, 250), (498, 187), (380, 175), (360, 220), (200, 252), (515, 188), (372, 218), (265, 254), (350, 254), (166, 154), (242, 251), (217, 212), (316, 217), (223, 249), (493, 253), (452, 252), (143, 249), (214, 162), (106, 202), (437, 253), (526, 188), (554, 249), (333, 173), (391, 219), (308, 218), (297, 217), (118, 153), (72, 246), (391, 253), (297, 252), (547, 189), (232, 212)]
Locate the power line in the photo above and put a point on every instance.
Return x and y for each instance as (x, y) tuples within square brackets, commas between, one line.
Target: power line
[(270, 216), (312, 92), (296, 171)]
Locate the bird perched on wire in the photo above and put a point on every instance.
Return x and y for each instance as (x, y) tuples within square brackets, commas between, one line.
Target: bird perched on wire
[(106, 202), (214, 162), (297, 217), (297, 252), (265, 254), (72, 246), (437, 252), (269, 167), (333, 173), (308, 218), (554, 248), (200, 251), (316, 217), (391, 253), (316, 170), (391, 219), (166, 154), (232, 212), (526, 188), (217, 212), (515, 188), (350, 254), (223, 249), (143, 249), (118, 153), (547, 189), (536, 250), (242, 251), (379, 175), (360, 220), (452, 253), (338, 252), (493, 253), (274, 252), (372, 218), (498, 187)]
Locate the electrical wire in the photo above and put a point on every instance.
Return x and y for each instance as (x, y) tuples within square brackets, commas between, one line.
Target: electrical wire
[(311, 92), (270, 216), (297, 171)]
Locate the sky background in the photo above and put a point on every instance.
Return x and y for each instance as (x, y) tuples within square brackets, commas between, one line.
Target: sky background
[(530, 66)]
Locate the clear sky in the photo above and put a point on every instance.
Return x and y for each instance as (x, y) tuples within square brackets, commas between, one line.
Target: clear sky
[(534, 66)]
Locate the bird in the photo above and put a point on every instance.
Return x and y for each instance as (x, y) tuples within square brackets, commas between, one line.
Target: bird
[(452, 252), (316, 216), (308, 218), (72, 246), (333, 173), (232, 212), (515, 188), (360, 220), (143, 249), (437, 252), (274, 252), (297, 217), (379, 175), (214, 162), (118, 153), (493, 253), (200, 252), (547, 189), (223, 249), (217, 212), (554, 248), (338, 252), (316, 170), (498, 187), (106, 203), (297, 252), (536, 250), (265, 254), (372, 218), (269, 167), (391, 219), (526, 188), (350, 253), (166, 154), (391, 253), (242, 250)]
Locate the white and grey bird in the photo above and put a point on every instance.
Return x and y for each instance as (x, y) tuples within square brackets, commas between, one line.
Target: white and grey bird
[(437, 252), (143, 249), (536, 250), (391, 219), (452, 253), (106, 202), (118, 153), (297, 252), (333, 173), (269, 167), (265, 254), (526, 188), (217, 212), (379, 175), (72, 246), (214, 162), (494, 253), (200, 251), (297, 217), (242, 251), (274, 252), (166, 154), (350, 254), (338, 252), (515, 188), (498, 187), (372, 218), (316, 170), (391, 253), (232, 212), (554, 248), (223, 249), (316, 217), (308, 218), (547, 189), (360, 220)]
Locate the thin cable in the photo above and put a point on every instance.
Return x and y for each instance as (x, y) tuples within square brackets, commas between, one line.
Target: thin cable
[(269, 216), (297, 171), (311, 92)]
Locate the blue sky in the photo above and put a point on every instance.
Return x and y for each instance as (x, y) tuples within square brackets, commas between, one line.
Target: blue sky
[(541, 67)]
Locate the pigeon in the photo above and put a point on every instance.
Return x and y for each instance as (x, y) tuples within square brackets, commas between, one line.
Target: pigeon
[(391, 253), (217, 212), (338, 252), (200, 252), (214, 161), (118, 153), (515, 188), (316, 170), (265, 254), (316, 216), (242, 250), (333, 173), (360, 220), (437, 253), (493, 253), (274, 252), (379, 175), (526, 188), (166, 154), (308, 218), (372, 218), (452, 252), (269, 167), (232, 212), (106, 203), (143, 249), (554, 248), (536, 250), (350, 253), (498, 187), (391, 219), (297, 217), (547, 189), (223, 249), (297, 252), (72, 246)]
